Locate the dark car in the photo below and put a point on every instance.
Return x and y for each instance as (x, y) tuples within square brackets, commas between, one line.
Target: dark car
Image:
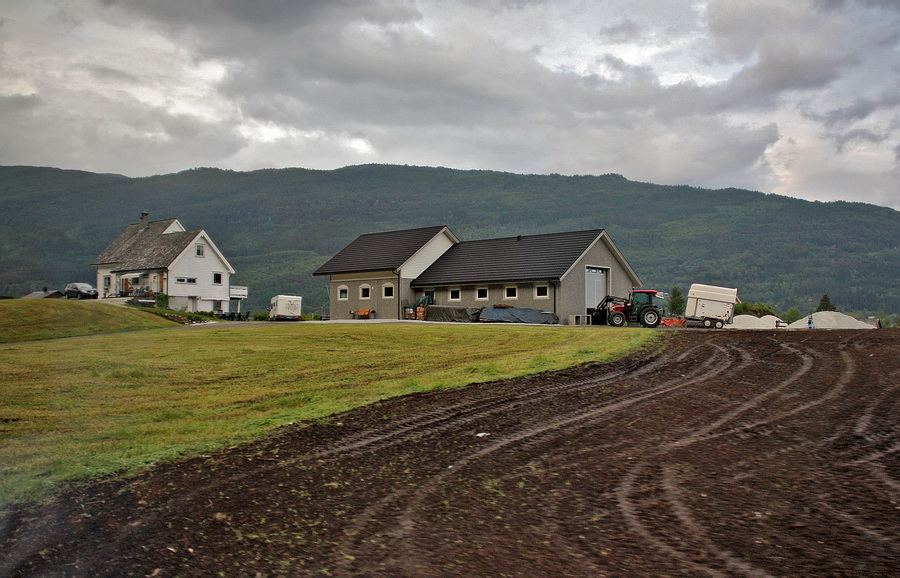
[(80, 291)]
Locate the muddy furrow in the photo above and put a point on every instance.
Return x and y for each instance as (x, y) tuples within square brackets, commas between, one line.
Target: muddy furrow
[(403, 506)]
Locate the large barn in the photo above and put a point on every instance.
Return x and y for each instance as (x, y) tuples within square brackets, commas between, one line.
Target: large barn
[(383, 274)]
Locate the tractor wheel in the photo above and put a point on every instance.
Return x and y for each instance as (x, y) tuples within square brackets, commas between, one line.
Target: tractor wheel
[(616, 319), (650, 318)]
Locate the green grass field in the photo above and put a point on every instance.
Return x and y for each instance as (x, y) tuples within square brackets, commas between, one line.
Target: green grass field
[(73, 410), (31, 319)]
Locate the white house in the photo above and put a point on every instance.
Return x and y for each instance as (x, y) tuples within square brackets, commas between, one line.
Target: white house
[(162, 257)]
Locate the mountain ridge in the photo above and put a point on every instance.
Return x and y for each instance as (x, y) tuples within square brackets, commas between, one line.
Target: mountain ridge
[(277, 225)]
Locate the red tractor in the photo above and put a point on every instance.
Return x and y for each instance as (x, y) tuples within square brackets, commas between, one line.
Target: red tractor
[(639, 307)]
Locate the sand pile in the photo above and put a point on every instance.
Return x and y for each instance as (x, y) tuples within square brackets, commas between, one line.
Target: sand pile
[(750, 322), (830, 320)]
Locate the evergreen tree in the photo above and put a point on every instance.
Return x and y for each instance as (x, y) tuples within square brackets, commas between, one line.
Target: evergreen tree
[(825, 304), (677, 302)]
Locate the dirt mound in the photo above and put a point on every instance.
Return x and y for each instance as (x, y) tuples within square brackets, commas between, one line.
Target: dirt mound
[(751, 453), (830, 320)]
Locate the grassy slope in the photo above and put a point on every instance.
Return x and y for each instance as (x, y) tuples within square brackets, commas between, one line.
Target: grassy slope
[(33, 319), (77, 409)]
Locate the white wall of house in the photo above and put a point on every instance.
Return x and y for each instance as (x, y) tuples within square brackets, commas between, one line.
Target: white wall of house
[(106, 272), (199, 278), (424, 257)]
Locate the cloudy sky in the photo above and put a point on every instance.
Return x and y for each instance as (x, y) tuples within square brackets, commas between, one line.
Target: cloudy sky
[(796, 97)]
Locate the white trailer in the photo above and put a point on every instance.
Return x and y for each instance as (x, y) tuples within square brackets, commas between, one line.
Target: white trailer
[(285, 308), (710, 306)]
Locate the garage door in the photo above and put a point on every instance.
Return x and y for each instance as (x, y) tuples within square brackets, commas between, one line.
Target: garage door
[(595, 283)]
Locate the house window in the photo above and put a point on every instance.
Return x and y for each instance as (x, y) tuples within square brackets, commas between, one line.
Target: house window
[(365, 292), (187, 280), (388, 291), (481, 294), (199, 250), (454, 294), (541, 292), (217, 278), (512, 292), (343, 293)]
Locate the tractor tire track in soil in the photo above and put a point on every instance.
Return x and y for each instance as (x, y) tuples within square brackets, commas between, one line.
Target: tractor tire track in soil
[(738, 453)]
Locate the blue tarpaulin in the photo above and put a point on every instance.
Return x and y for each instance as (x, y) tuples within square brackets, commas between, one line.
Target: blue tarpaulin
[(516, 315)]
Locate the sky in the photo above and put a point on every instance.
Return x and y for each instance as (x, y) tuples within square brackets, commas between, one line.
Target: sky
[(794, 97)]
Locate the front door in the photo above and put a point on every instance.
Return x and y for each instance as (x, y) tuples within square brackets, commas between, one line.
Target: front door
[(595, 286)]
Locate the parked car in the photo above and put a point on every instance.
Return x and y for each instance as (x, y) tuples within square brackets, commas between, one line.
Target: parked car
[(80, 291)]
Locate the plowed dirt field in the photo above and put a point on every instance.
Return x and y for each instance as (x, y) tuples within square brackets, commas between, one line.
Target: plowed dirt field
[(724, 453)]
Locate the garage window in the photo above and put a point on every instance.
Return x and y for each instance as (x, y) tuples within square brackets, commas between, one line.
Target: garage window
[(481, 293), (512, 292), (541, 292), (343, 293), (454, 294), (387, 291), (365, 292)]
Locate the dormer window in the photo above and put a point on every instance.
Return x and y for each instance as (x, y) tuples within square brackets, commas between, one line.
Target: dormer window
[(198, 250)]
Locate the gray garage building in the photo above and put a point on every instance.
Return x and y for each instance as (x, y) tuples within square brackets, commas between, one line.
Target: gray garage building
[(382, 274)]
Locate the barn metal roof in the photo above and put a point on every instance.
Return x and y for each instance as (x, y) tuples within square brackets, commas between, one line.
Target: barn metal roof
[(521, 258), (379, 251)]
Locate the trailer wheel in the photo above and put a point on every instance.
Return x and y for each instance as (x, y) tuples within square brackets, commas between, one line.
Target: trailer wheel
[(719, 324), (650, 318), (707, 323), (616, 319)]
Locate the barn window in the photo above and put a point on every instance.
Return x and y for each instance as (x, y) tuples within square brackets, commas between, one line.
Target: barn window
[(199, 250), (217, 278)]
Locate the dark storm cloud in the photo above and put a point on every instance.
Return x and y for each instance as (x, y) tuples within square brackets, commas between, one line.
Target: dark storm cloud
[(715, 93)]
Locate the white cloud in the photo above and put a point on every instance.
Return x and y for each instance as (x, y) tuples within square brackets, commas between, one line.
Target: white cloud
[(796, 98)]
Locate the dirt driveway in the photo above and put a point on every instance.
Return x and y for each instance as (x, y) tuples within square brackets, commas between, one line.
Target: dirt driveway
[(725, 454)]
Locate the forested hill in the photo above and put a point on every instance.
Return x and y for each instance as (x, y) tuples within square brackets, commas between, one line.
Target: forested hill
[(277, 226)]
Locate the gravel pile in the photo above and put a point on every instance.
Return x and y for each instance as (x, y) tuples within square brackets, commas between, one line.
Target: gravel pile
[(750, 322), (830, 320)]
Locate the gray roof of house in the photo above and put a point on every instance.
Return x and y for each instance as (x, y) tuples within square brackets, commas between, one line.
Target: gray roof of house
[(522, 258), (379, 251), (139, 249)]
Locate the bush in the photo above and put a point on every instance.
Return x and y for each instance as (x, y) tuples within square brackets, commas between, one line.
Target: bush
[(261, 316), (754, 309), (162, 300), (791, 315)]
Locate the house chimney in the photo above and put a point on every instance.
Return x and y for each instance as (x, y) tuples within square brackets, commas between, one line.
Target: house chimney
[(144, 216)]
